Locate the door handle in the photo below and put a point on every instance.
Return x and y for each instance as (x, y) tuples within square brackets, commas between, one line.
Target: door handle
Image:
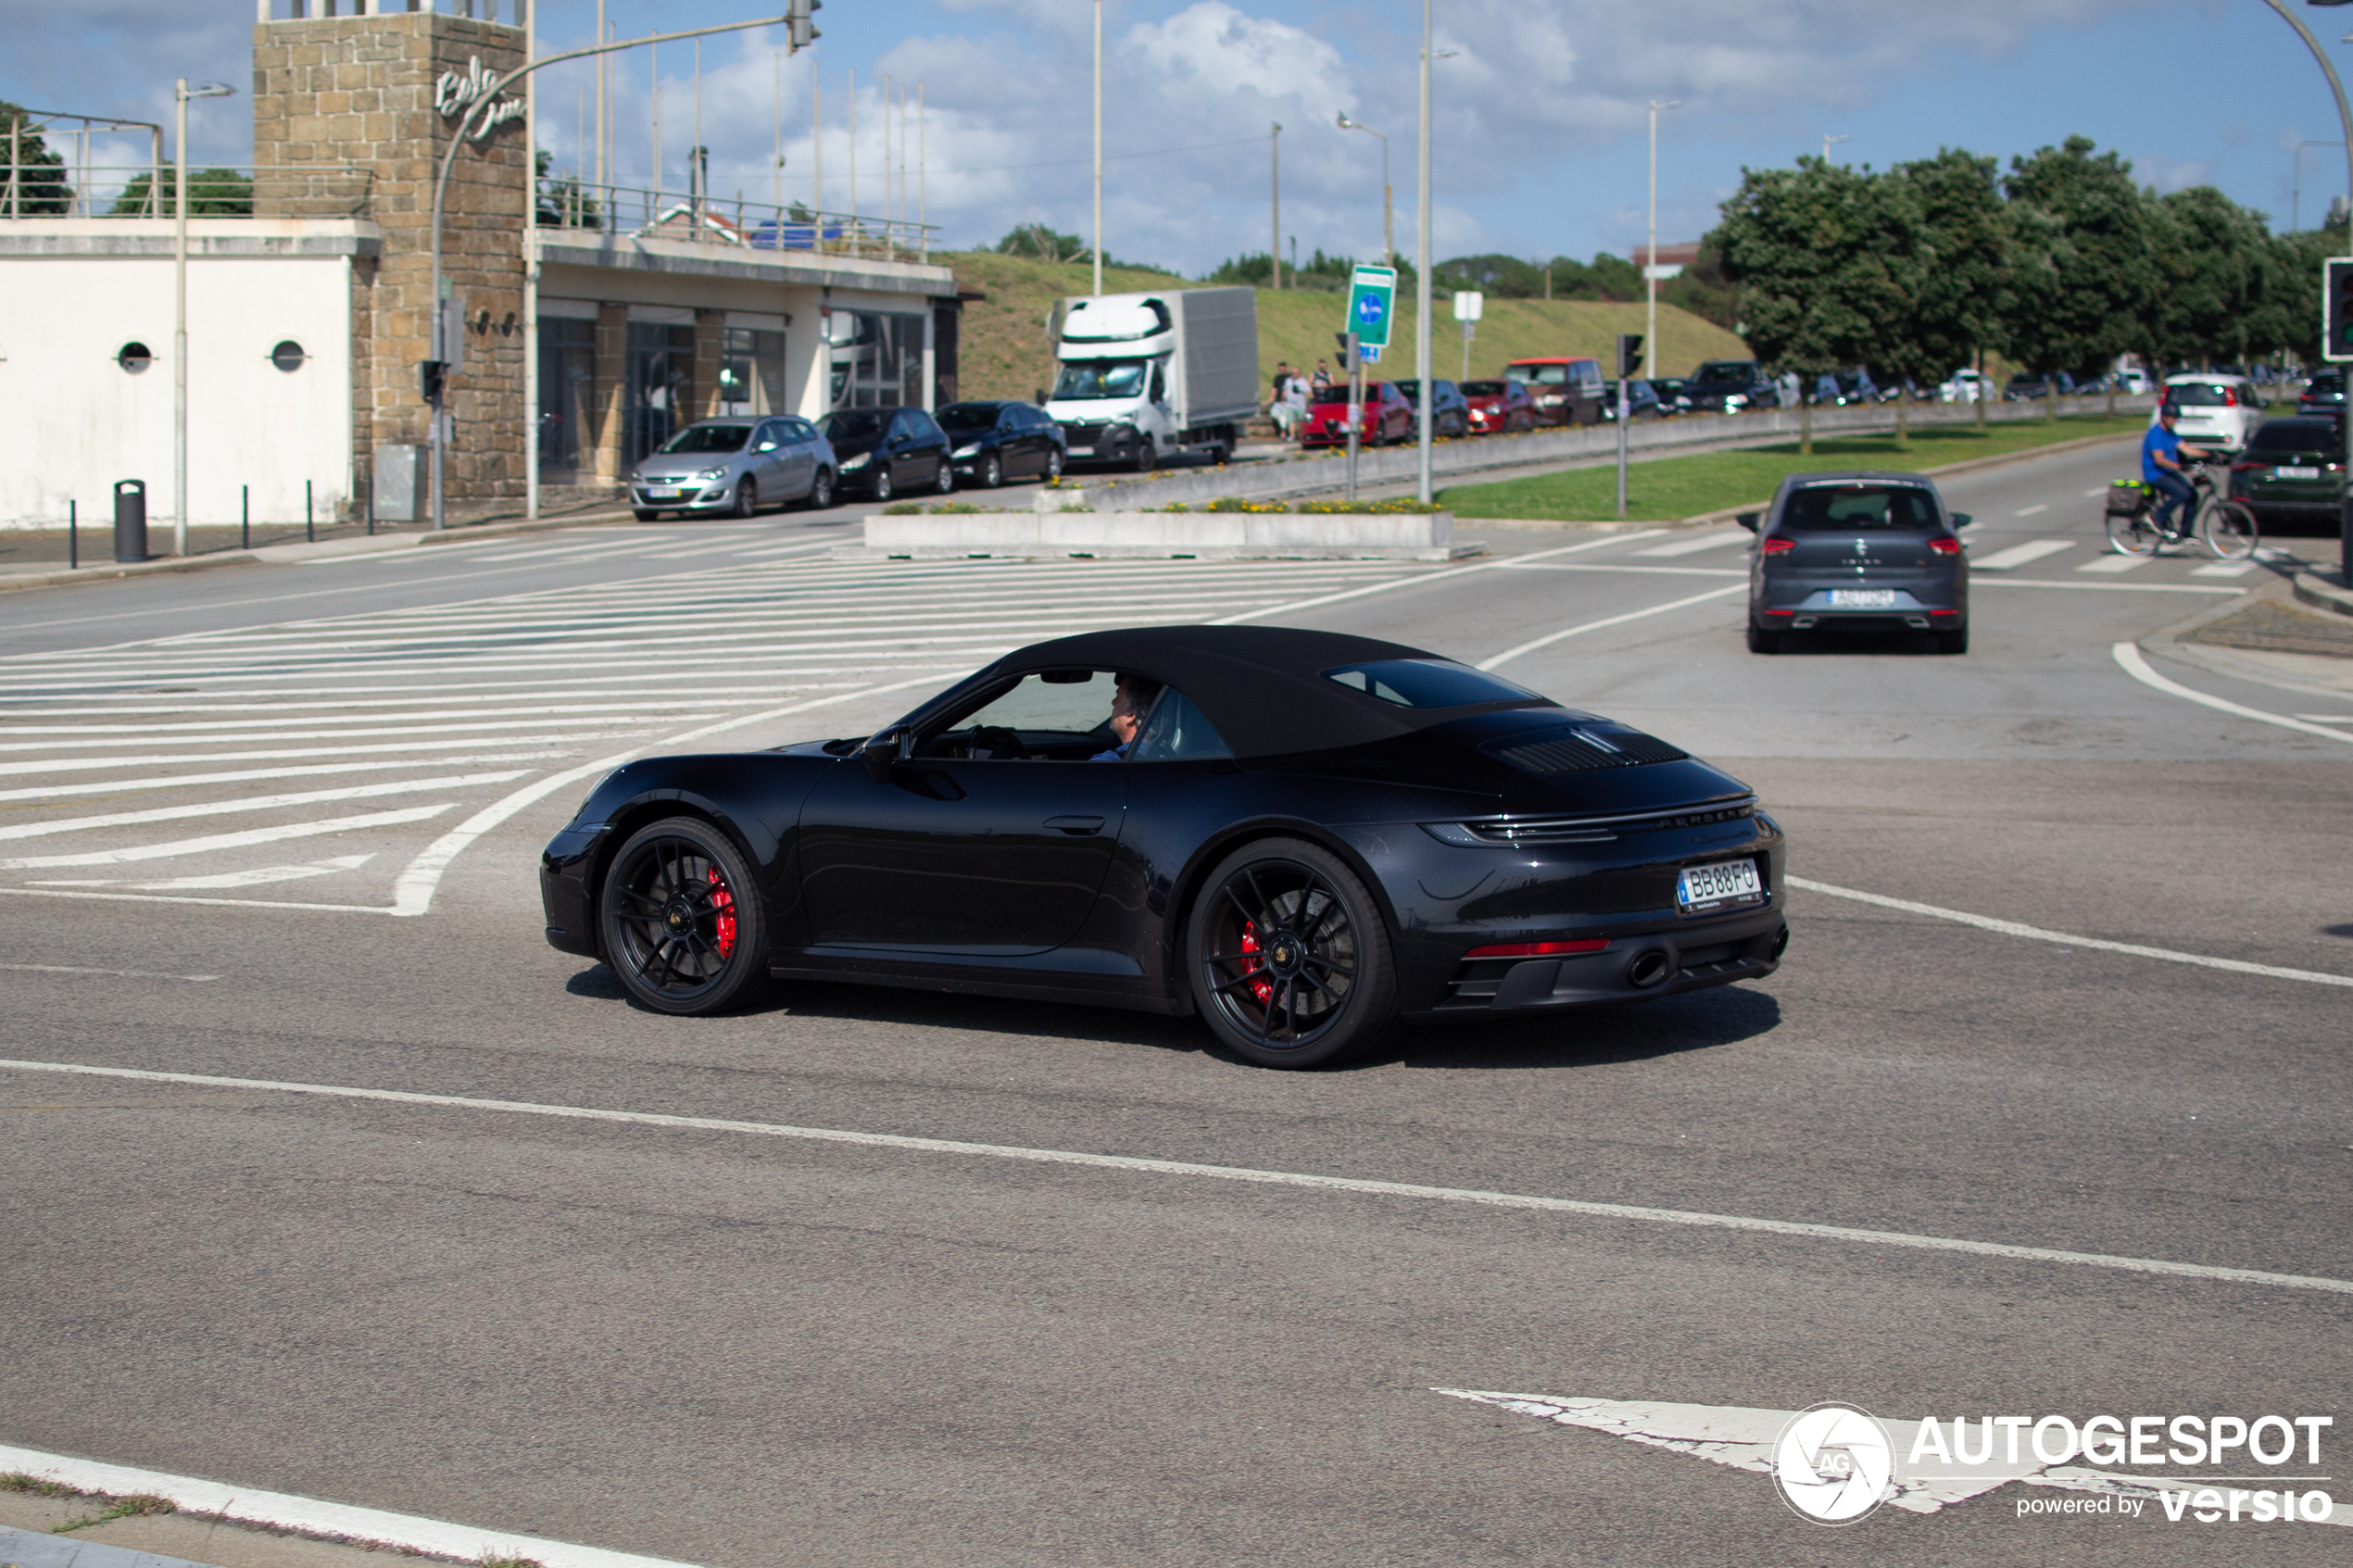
[(1077, 827)]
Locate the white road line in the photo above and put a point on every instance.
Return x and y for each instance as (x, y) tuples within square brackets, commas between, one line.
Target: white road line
[(487, 705), (2327, 717), (254, 878), (2104, 587), (122, 973), (2128, 656), (2019, 555), (429, 1537), (168, 759), (2088, 494), (257, 802), (1509, 653), (229, 840), (1640, 571), (2116, 565), (248, 775), (2224, 568), (2032, 512), (2068, 938), (1693, 546), (149, 737), (1214, 1172), (1433, 577)]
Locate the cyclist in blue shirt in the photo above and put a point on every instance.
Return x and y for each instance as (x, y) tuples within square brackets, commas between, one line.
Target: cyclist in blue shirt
[(2161, 465)]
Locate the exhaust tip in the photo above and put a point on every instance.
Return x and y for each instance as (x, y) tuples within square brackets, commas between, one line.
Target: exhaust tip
[(1780, 942), (1648, 969)]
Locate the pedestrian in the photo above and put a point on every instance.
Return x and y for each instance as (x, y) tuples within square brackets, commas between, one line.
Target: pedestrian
[(1323, 382), (1278, 402), (1295, 399)]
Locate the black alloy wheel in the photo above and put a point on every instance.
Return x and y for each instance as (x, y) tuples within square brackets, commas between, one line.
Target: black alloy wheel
[(1288, 958), (682, 919), (880, 484), (992, 471), (945, 479), (1762, 641), (821, 490), (747, 496)]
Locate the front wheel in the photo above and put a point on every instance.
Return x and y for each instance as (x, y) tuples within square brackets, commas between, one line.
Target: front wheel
[(945, 479), (747, 496), (2133, 535), (881, 485), (1288, 958), (1145, 453), (643, 515), (1054, 466), (821, 490), (992, 471), (2230, 531), (681, 921)]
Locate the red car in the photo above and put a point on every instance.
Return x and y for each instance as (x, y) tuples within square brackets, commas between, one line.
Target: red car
[(1499, 405), (1388, 415)]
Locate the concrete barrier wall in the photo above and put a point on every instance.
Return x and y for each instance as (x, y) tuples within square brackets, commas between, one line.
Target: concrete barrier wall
[(1478, 456), (1200, 535)]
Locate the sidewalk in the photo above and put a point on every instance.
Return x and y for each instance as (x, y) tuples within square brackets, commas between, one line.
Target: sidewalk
[(154, 1540)]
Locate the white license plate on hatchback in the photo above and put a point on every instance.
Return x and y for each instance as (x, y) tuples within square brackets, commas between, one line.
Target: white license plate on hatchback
[(1701, 889), (1862, 598), (662, 493), (2296, 474)]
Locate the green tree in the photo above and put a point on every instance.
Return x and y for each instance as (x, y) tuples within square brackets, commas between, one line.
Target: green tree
[(2213, 259), (1825, 262), (212, 193), (1044, 243), (1954, 207), (1705, 289), (562, 202), (1255, 268), (2291, 312), (2087, 277), (36, 186)]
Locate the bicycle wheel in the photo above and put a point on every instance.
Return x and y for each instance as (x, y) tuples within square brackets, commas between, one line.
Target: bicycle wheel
[(2230, 531), (2133, 535)]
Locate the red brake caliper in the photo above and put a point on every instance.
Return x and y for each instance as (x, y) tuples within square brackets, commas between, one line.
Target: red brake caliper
[(1262, 989), (724, 903)]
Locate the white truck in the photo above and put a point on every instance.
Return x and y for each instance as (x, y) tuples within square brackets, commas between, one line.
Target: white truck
[(1143, 377)]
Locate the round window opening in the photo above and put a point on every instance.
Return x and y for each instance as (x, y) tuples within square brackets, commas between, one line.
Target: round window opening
[(133, 357), (288, 356)]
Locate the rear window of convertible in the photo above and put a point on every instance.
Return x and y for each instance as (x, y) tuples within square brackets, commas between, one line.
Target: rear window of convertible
[(1427, 683), (1842, 509)]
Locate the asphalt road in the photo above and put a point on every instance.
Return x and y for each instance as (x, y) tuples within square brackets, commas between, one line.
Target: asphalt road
[(738, 1349)]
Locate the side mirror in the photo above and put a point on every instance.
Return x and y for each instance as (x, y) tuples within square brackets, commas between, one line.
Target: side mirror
[(765, 447), (1749, 519), (886, 751), (1961, 521)]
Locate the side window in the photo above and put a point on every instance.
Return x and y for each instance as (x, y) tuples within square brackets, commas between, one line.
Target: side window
[(1160, 384), (1176, 731), (771, 436), (1055, 715)]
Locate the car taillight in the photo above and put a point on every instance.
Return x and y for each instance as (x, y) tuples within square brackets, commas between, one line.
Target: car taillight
[(1776, 547), (1535, 950), (2230, 397), (1946, 546)]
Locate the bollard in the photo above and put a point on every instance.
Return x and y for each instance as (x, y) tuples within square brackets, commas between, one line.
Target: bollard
[(130, 520), (245, 517), (308, 531), (73, 536)]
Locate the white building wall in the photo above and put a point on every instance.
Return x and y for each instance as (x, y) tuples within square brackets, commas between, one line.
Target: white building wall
[(77, 421)]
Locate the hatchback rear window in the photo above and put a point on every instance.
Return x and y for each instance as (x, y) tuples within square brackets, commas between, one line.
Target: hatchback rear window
[(1482, 389), (1542, 375), (1843, 508), (2198, 395), (1427, 683), (2297, 435)]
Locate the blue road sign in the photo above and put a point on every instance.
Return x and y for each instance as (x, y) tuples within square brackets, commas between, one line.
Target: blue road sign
[(1372, 295)]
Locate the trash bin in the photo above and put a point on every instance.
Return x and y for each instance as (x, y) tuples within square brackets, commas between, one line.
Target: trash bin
[(130, 520)]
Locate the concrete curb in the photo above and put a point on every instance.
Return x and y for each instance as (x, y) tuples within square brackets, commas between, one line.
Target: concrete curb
[(2320, 592)]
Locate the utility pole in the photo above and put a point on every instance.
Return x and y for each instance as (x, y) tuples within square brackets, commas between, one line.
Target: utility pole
[(1428, 399), (1275, 250), (604, 126), (1828, 142), (1098, 149), (1388, 201), (181, 93), (1650, 266)]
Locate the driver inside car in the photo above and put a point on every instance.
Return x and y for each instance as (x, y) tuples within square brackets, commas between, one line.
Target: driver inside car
[(1131, 701)]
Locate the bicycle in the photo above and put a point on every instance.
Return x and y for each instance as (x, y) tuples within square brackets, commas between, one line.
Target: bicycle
[(2225, 526)]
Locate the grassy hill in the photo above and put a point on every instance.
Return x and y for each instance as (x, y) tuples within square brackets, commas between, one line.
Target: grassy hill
[(1003, 350)]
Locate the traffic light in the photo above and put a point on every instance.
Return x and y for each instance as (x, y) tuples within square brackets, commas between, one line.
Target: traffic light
[(800, 29), (2336, 309), (429, 379), (1630, 354)]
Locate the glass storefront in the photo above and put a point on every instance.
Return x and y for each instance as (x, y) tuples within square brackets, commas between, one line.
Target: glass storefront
[(878, 358), (751, 375), (659, 390), (567, 392)]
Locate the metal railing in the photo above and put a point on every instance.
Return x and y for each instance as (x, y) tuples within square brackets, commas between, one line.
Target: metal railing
[(634, 212), (295, 190)]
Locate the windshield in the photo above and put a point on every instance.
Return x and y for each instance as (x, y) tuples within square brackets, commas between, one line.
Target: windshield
[(968, 416), (1410, 390), (2297, 435), (709, 438), (1542, 375), (1427, 683), (1100, 378), (1725, 370), (1846, 507), (2327, 381), (1482, 389), (854, 425)]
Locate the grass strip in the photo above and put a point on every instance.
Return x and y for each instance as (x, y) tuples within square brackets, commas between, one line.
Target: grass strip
[(1666, 488)]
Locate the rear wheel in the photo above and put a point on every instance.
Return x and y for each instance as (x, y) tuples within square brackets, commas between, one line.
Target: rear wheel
[(2133, 535), (1288, 958), (2230, 531), (1762, 641), (681, 921), (1953, 642)]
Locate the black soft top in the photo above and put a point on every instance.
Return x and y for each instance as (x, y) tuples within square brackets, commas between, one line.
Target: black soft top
[(1262, 686)]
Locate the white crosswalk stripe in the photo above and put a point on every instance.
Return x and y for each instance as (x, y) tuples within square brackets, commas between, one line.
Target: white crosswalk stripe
[(464, 706), (2020, 555), (2115, 565), (1693, 546)]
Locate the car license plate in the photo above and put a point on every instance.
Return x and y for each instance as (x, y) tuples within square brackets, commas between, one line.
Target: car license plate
[(661, 493), (1862, 598), (1701, 889), (2296, 474), (1081, 452)]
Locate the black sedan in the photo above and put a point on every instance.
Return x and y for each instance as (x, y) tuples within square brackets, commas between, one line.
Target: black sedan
[(885, 451), (1449, 417), (1857, 552), (1300, 837), (990, 443)]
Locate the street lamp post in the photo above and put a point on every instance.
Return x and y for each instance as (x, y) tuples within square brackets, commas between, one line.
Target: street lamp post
[(181, 93), (1650, 264), (1387, 203), (2345, 120), (441, 193), (1830, 142), (1429, 400), (1098, 149)]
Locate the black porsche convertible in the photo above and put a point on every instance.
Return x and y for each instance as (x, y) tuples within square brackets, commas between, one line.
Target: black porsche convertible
[(1301, 836)]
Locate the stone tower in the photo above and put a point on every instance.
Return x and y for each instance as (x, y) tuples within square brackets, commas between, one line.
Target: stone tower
[(357, 109)]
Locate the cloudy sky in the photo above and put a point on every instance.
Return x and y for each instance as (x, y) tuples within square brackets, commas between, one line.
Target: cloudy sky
[(1539, 121)]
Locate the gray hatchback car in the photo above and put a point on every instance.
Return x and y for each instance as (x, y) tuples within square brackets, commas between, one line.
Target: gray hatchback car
[(737, 466), (1857, 552)]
